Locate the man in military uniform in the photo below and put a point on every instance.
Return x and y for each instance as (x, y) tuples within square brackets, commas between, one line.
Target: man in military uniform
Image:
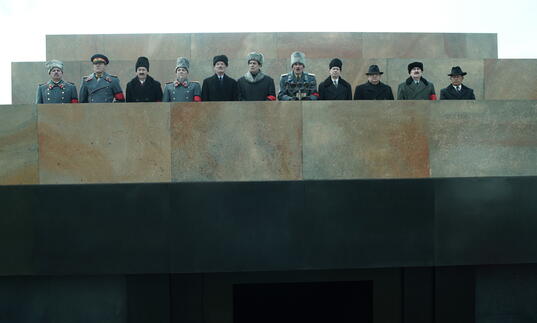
[(99, 86), (298, 85), (56, 90), (456, 90), (182, 90)]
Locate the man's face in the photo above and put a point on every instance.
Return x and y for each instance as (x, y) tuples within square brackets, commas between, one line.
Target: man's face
[(374, 78), (99, 67), (141, 73), (416, 73), (335, 72), (182, 73), (56, 74), (220, 68), (298, 68), (456, 79), (253, 66)]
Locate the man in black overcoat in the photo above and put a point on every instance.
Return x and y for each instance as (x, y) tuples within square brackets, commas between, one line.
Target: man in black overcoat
[(335, 87), (373, 89), (219, 87), (143, 88), (456, 90)]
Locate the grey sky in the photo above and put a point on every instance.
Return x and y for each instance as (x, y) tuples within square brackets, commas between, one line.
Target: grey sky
[(24, 24)]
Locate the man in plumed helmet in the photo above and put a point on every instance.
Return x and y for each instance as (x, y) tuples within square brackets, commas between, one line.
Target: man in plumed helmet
[(56, 90), (143, 88), (373, 89), (456, 90), (255, 85), (335, 87), (182, 90), (219, 87), (298, 85), (416, 87), (99, 86)]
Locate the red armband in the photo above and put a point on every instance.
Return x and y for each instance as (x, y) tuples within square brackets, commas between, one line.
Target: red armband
[(74, 100), (432, 97), (271, 98), (316, 94), (197, 98), (119, 96)]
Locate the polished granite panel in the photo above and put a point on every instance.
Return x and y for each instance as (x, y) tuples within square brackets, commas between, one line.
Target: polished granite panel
[(320, 45), (436, 71), (346, 140), (403, 45), (104, 143), (18, 145), (75, 47), (236, 141), (471, 45), (233, 45), (26, 76), (511, 79), (153, 46), (483, 139)]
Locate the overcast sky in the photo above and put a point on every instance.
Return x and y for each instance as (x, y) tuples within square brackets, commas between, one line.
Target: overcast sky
[(24, 24)]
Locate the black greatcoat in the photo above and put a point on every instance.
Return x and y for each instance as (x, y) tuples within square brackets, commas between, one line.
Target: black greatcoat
[(449, 93), (213, 90), (368, 91), (328, 91), (150, 91)]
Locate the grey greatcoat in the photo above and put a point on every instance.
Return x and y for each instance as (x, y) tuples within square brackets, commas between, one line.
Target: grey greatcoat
[(409, 90), (61, 92), (186, 91), (101, 90), (293, 88)]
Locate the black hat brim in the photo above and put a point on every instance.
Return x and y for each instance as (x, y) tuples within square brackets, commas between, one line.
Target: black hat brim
[(461, 74), (379, 73)]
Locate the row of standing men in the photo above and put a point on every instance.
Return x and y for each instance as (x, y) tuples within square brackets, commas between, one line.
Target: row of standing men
[(101, 87)]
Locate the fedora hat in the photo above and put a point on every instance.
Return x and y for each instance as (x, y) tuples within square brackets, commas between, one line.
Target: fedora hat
[(374, 69), (456, 70)]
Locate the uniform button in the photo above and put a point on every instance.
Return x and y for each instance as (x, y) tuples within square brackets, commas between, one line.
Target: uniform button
[(48, 99), (62, 92), (62, 97), (48, 93)]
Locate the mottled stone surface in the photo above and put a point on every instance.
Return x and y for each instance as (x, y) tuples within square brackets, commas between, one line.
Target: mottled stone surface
[(153, 46), (403, 45), (18, 145), (236, 141), (483, 138), (75, 47), (234, 45), (436, 71), (320, 45), (511, 79), (471, 45), (104, 143), (367, 139)]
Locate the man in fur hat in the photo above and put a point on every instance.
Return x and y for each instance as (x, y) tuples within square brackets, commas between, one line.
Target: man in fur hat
[(219, 87), (56, 90), (182, 90), (255, 85), (99, 86), (298, 85), (335, 87), (373, 89), (143, 88), (456, 90), (416, 87)]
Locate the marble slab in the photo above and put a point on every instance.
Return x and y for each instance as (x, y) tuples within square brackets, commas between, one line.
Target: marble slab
[(511, 79)]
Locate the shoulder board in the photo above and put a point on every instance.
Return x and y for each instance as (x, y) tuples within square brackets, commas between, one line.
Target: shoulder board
[(108, 79), (87, 78), (284, 74), (169, 82), (113, 76), (42, 84), (194, 82), (70, 83)]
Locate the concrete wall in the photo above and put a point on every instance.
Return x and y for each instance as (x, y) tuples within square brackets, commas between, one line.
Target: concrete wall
[(247, 141)]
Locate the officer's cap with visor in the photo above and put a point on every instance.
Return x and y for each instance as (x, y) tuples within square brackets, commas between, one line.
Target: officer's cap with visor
[(99, 58)]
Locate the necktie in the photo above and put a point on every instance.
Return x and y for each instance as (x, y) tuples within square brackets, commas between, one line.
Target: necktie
[(335, 83)]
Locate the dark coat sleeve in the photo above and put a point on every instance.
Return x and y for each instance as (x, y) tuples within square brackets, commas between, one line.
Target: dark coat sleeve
[(235, 90), (322, 91), (389, 94), (205, 91), (158, 92), (272, 88), (471, 96), (443, 94), (128, 93), (349, 93)]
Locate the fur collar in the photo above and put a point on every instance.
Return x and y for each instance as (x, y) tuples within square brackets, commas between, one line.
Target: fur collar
[(410, 80), (248, 76)]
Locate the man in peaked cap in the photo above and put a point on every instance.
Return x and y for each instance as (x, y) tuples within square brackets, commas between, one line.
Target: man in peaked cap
[(219, 87), (298, 85), (143, 88), (416, 87), (373, 89), (335, 87), (99, 86), (182, 90), (456, 90), (56, 90), (255, 85)]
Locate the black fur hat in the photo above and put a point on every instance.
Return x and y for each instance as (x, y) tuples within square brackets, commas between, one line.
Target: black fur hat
[(220, 58), (415, 64), (142, 62), (335, 62)]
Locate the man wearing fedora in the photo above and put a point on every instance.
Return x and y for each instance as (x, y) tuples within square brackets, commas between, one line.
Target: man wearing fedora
[(335, 87), (56, 90), (219, 87), (416, 87), (99, 86), (373, 89), (182, 90), (255, 85), (298, 85), (143, 88), (456, 90)]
